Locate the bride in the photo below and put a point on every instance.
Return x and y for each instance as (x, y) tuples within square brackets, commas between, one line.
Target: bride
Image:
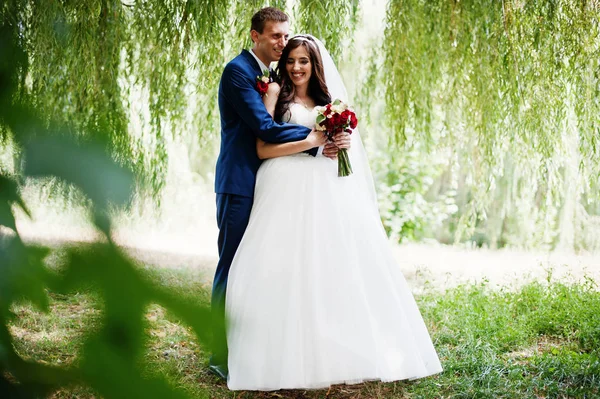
[(314, 295)]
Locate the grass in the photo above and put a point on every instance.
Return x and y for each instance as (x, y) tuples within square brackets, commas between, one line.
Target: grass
[(539, 341)]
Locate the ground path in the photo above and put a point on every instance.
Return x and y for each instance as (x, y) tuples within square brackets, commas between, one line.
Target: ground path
[(424, 265)]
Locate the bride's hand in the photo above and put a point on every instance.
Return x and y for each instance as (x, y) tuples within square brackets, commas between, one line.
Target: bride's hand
[(273, 89), (316, 138), (342, 140)]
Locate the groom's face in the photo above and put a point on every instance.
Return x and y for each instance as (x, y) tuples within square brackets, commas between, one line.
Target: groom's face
[(269, 44)]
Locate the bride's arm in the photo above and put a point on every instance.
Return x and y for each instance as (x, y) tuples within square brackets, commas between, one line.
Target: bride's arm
[(271, 150), (270, 99)]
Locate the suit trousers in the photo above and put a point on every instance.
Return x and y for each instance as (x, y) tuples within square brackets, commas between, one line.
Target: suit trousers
[(233, 214)]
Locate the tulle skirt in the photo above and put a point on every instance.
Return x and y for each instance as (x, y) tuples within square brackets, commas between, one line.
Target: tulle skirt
[(314, 295)]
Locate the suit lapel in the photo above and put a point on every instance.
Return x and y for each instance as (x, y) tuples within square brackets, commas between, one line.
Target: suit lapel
[(251, 62)]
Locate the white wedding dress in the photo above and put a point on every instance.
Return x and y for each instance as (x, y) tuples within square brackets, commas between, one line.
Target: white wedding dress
[(314, 295)]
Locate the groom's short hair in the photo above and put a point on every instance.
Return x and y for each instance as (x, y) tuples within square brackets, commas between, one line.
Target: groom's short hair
[(267, 14)]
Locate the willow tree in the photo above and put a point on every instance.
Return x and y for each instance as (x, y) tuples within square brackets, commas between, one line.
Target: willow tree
[(505, 92), (145, 71), (508, 93)]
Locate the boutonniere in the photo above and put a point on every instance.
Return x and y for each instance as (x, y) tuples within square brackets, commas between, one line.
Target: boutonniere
[(262, 82)]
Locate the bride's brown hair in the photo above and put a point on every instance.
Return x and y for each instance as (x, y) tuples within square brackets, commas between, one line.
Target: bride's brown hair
[(317, 89)]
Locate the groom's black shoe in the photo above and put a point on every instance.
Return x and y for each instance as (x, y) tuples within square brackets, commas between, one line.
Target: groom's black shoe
[(220, 370)]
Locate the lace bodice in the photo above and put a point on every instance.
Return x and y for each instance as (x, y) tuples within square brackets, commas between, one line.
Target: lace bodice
[(301, 115)]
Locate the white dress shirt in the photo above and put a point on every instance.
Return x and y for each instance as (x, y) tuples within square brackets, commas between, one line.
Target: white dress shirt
[(261, 64)]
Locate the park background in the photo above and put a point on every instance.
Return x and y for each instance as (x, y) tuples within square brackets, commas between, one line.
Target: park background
[(480, 119)]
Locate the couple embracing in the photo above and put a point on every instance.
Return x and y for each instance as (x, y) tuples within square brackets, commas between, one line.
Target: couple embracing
[(307, 292)]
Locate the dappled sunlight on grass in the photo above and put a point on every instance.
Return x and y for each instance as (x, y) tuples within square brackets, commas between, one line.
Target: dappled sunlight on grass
[(54, 337)]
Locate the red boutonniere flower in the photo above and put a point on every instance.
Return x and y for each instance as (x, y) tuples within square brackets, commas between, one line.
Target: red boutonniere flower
[(262, 83)]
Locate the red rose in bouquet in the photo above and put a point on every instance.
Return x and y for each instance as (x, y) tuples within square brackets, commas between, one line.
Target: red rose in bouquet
[(347, 114), (333, 119), (353, 121), (336, 119)]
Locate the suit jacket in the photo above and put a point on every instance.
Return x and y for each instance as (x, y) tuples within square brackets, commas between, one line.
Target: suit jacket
[(243, 119)]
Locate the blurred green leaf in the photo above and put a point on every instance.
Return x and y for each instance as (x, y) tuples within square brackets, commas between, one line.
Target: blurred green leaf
[(87, 166)]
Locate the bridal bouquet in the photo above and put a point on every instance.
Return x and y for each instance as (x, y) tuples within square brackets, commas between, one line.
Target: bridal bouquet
[(335, 118)]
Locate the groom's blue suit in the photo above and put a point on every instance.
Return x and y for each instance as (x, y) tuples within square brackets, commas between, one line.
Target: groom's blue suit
[(243, 119)]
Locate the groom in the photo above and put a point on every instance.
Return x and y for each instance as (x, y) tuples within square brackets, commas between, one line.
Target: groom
[(243, 119)]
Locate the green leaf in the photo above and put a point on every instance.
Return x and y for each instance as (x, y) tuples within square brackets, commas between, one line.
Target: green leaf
[(9, 195)]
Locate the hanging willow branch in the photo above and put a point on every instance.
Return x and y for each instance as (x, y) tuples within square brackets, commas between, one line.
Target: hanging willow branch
[(507, 91), (145, 71), (331, 21), (497, 83)]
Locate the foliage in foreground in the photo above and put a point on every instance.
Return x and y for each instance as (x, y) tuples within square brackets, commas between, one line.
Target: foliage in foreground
[(111, 354), (541, 340)]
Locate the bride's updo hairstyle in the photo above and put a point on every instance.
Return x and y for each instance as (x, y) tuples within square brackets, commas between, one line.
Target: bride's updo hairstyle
[(317, 89)]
